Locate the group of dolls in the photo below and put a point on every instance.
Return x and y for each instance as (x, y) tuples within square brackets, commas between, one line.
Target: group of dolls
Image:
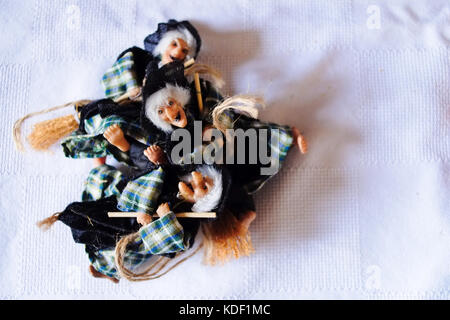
[(148, 96)]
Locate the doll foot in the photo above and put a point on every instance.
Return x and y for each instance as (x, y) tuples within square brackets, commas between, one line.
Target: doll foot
[(155, 154), (247, 219), (300, 140), (97, 274), (115, 136), (99, 161)]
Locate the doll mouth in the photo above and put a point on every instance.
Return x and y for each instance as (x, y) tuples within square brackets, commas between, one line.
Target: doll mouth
[(178, 117), (174, 59)]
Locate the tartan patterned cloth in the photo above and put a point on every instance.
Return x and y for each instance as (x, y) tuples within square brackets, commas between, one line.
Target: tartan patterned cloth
[(94, 145), (101, 182), (162, 236), (141, 194), (120, 77)]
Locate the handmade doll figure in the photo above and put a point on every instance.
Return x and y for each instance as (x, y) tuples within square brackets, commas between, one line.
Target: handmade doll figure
[(205, 188), (164, 108), (240, 112), (164, 236), (196, 189), (172, 41)]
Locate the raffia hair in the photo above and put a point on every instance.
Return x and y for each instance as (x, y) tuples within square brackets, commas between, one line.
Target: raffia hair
[(161, 98), (169, 36)]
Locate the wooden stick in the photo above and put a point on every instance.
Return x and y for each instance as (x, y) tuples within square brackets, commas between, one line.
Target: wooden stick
[(189, 63), (121, 214), (198, 89)]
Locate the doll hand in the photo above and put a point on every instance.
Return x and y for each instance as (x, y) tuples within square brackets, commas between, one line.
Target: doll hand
[(155, 154), (163, 209), (115, 136), (143, 218)]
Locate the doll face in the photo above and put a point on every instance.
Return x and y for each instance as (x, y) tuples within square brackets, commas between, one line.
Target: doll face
[(173, 113), (198, 187), (177, 50)]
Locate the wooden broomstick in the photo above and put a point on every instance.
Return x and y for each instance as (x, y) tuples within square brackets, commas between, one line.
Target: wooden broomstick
[(121, 214)]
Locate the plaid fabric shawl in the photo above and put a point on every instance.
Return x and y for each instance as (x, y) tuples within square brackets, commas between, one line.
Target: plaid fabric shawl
[(101, 183), (139, 195), (94, 145), (120, 77), (162, 236)]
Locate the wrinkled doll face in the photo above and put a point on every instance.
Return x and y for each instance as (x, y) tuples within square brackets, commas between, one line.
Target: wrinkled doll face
[(177, 50), (173, 113), (196, 188)]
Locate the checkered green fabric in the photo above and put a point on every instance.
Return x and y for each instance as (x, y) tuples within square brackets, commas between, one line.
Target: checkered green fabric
[(120, 77), (141, 194), (101, 183), (162, 236), (94, 145)]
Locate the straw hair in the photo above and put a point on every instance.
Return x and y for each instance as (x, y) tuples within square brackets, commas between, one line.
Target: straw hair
[(200, 68), (224, 239), (47, 133), (17, 128), (149, 273), (47, 223), (246, 104)]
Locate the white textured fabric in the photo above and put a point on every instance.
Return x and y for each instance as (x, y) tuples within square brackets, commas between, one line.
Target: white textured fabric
[(366, 214)]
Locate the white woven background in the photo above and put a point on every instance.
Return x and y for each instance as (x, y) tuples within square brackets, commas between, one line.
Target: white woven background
[(365, 214)]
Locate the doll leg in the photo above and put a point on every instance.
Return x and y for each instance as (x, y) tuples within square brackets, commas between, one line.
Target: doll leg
[(97, 274), (99, 161), (300, 140), (115, 136)]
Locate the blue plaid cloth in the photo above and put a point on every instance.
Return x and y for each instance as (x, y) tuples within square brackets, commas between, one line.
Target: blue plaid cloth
[(120, 77), (162, 236), (101, 183), (141, 194), (94, 145)]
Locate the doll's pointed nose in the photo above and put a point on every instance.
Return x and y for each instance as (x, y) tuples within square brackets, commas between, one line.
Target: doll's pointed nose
[(172, 113), (176, 115), (177, 54)]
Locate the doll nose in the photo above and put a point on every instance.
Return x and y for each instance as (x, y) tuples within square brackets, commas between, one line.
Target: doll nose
[(172, 113), (177, 53)]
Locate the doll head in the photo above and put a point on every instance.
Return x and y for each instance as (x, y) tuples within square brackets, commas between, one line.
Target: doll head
[(202, 187), (174, 41), (165, 96)]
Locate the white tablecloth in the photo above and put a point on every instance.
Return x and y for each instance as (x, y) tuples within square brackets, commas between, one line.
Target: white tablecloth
[(365, 214)]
